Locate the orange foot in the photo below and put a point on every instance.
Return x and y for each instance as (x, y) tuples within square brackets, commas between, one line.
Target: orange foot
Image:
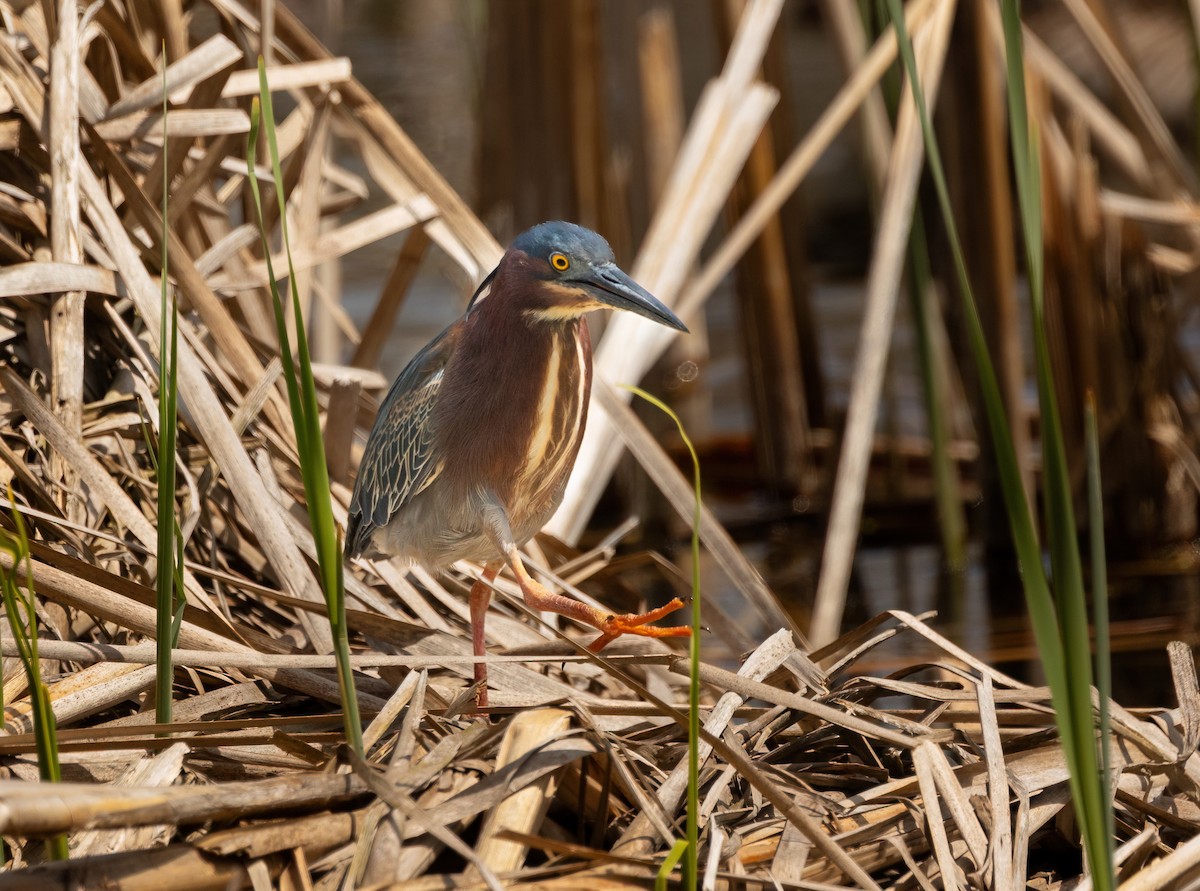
[(639, 624)]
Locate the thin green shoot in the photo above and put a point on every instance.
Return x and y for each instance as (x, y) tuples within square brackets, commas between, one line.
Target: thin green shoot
[(668, 865), (1059, 626), (168, 585), (1077, 724), (691, 863), (1020, 517), (21, 607), (306, 418), (1100, 609), (952, 523)]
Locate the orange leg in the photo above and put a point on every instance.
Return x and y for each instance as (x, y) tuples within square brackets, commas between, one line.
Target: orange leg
[(610, 626), (481, 596)]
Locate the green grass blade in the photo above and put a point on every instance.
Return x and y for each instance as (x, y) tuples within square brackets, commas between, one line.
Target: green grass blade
[(691, 864), (1100, 614), (1077, 724), (1025, 539), (668, 864), (952, 523), (168, 585), (306, 418), (1057, 630), (1025, 165), (21, 608)]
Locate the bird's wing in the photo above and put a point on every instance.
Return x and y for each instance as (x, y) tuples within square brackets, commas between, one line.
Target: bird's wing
[(399, 460)]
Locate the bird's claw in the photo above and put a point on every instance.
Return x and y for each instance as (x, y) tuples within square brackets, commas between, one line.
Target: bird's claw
[(614, 626)]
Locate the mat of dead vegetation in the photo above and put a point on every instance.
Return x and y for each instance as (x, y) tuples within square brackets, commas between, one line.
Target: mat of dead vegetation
[(944, 773)]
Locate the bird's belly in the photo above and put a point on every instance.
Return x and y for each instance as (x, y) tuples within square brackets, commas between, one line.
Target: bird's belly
[(439, 527), (435, 531)]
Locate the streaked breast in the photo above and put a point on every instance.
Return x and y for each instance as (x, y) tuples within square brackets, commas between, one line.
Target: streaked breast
[(561, 407)]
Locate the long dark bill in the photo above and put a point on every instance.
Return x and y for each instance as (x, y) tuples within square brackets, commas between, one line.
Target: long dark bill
[(616, 289)]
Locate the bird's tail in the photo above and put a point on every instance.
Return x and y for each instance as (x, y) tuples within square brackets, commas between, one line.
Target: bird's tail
[(358, 537)]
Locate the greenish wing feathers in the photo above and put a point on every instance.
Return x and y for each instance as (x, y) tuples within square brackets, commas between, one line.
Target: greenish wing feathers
[(399, 460), (404, 464)]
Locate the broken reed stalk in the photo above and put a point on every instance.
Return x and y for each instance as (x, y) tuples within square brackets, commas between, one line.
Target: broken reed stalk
[(731, 112), (882, 293), (306, 419)]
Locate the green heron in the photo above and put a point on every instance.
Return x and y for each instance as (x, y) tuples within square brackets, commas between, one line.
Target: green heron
[(470, 453)]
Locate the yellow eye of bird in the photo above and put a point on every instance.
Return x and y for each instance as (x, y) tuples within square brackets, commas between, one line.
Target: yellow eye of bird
[(560, 262)]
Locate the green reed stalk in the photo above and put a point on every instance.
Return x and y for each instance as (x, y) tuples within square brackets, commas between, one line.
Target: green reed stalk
[(952, 522), (668, 865), (691, 861), (1060, 625), (306, 417), (168, 585), (21, 607), (1100, 610), (951, 518), (1076, 726)]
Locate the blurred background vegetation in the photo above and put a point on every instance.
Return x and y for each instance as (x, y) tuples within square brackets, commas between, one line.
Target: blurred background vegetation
[(537, 109)]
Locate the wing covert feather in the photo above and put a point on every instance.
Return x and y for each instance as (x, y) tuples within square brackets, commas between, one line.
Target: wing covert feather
[(399, 460)]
